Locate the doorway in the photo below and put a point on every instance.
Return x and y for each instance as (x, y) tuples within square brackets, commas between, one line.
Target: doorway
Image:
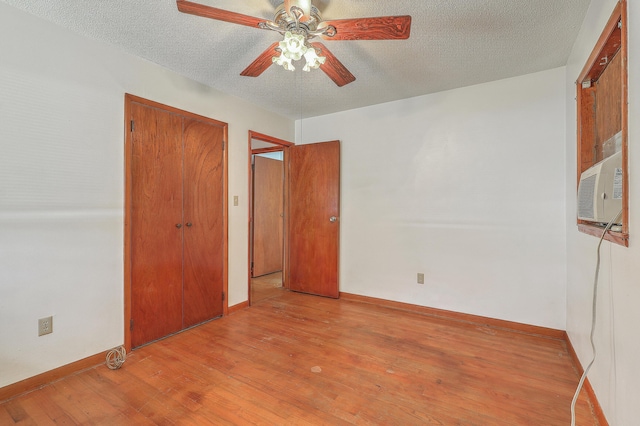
[(311, 220), (267, 189)]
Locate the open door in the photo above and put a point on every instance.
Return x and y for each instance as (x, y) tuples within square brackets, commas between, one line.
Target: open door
[(314, 218)]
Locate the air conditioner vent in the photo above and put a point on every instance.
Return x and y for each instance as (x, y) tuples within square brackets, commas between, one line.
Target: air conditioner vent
[(586, 192)]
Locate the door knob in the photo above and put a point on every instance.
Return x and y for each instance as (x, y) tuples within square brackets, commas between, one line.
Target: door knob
[(189, 224), (333, 219), (178, 225)]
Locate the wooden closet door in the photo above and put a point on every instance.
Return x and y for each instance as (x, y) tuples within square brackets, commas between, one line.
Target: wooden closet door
[(156, 219), (268, 207), (203, 216)]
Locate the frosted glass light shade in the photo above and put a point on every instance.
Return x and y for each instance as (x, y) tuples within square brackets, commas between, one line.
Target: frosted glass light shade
[(313, 60), (284, 62), (293, 46)]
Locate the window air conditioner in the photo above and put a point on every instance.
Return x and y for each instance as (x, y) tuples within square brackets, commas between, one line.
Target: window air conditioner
[(600, 190)]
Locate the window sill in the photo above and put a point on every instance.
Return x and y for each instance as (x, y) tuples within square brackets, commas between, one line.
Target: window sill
[(620, 238)]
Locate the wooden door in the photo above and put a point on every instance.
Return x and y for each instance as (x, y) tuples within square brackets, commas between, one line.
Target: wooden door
[(203, 221), (268, 199), (156, 217), (175, 223), (314, 212)]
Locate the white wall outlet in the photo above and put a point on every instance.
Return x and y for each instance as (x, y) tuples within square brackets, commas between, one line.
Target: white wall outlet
[(45, 326), (420, 278), (235, 200)]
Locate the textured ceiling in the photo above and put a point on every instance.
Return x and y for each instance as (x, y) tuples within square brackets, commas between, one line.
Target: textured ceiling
[(453, 43)]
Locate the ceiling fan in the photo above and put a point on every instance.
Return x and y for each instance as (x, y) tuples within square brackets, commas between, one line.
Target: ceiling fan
[(299, 22)]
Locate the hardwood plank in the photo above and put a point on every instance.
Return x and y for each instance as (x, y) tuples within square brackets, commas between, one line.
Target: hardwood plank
[(457, 316), (44, 411), (351, 370), (47, 377), (266, 286), (240, 306), (121, 400), (299, 359), (597, 409), (5, 416)]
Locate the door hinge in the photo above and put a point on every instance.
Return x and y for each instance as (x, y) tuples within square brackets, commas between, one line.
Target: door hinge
[(223, 145), (223, 296), (132, 125), (131, 324)]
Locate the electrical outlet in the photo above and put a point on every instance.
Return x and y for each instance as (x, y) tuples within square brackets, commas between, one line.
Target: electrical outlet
[(235, 200), (45, 326), (420, 278)]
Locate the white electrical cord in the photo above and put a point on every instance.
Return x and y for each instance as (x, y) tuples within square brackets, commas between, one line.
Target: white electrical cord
[(593, 322), (116, 357), (614, 356)]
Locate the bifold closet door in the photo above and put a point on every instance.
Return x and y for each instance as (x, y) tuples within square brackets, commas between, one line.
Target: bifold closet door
[(203, 217), (156, 223)]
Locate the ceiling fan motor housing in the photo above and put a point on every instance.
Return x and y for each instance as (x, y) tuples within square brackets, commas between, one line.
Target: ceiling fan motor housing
[(305, 24), (304, 5)]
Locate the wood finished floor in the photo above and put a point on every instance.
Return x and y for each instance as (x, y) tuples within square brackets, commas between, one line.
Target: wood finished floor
[(298, 359), (266, 287)]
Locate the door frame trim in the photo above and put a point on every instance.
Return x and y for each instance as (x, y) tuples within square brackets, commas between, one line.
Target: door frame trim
[(282, 145), (128, 150)]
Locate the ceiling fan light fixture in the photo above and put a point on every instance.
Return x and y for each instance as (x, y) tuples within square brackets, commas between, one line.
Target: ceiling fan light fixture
[(293, 46), (313, 60), (284, 62)]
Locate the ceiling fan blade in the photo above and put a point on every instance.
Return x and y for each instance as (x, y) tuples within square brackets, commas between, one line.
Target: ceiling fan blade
[(333, 67), (219, 14), (261, 63), (380, 28)]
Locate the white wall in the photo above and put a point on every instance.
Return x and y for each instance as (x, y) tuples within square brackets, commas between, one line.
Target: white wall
[(615, 374), (62, 187), (466, 186)]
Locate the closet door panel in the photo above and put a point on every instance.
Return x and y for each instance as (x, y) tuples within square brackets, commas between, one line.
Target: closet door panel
[(156, 218), (268, 215), (203, 215)]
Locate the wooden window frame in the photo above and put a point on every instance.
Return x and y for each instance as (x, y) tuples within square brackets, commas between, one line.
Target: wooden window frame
[(612, 42)]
